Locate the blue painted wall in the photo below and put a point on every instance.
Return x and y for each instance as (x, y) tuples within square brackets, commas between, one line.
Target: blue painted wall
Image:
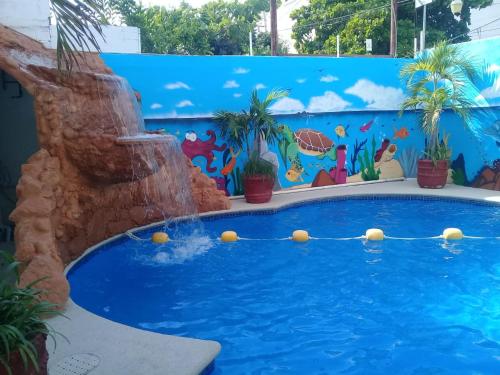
[(180, 94)]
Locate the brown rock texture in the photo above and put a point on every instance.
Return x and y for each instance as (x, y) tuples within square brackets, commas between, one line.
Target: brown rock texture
[(322, 178), (488, 177), (85, 185)]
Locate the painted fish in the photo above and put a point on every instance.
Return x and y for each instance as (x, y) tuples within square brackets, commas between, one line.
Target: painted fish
[(228, 168), (294, 174), (341, 131), (401, 133), (367, 126)]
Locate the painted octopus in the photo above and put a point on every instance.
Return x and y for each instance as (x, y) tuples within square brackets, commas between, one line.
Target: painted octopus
[(192, 147)]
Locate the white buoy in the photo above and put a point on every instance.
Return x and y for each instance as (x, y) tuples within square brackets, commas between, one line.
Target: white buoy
[(452, 234), (374, 234)]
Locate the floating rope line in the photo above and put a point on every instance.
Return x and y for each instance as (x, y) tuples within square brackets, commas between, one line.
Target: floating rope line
[(264, 239), (337, 238), (136, 238), (303, 236), (413, 238)]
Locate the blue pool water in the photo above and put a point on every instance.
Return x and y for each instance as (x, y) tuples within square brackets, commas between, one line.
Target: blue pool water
[(321, 307)]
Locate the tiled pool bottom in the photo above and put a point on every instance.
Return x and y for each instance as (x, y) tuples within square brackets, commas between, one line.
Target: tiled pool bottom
[(317, 307)]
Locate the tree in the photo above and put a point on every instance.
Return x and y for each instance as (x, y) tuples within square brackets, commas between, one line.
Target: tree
[(176, 31), (219, 27), (262, 44), (318, 24), (229, 24)]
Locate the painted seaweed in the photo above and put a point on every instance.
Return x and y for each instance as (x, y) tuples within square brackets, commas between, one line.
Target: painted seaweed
[(237, 183), (408, 159), (358, 147), (367, 164)]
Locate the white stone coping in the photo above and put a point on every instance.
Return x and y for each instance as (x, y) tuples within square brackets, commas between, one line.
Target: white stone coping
[(126, 350)]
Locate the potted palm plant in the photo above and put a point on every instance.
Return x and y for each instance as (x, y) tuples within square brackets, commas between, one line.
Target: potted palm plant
[(240, 129), (23, 331), (439, 79)]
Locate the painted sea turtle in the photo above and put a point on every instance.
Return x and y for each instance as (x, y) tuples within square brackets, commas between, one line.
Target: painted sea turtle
[(307, 142)]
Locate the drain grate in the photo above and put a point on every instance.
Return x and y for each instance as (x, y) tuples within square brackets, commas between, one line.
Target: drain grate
[(76, 364)]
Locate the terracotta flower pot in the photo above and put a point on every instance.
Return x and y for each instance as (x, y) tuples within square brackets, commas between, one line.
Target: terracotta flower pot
[(432, 176), (258, 188), (16, 363)]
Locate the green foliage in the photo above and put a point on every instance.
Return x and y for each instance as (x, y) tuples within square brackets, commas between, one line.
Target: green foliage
[(21, 316), (76, 24), (458, 177), (256, 166), (237, 184), (319, 22), (217, 28), (262, 45), (438, 151), (442, 78), (367, 164), (239, 127)]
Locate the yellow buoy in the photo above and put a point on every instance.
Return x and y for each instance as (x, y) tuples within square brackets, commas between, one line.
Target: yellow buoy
[(452, 234), (159, 237), (229, 236), (300, 236), (374, 234)]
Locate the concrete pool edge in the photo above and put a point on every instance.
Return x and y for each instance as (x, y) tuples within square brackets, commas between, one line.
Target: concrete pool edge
[(178, 355)]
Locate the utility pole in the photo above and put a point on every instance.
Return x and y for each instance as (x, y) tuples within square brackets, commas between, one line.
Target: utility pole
[(274, 28), (393, 50)]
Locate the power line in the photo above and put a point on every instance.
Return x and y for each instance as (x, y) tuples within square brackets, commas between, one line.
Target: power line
[(339, 19), (471, 31)]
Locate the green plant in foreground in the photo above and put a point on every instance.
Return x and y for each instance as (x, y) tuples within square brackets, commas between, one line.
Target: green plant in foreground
[(367, 164), (256, 166), (21, 316), (440, 151), (440, 79), (239, 129)]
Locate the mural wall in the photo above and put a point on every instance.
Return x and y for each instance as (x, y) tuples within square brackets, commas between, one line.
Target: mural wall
[(340, 118)]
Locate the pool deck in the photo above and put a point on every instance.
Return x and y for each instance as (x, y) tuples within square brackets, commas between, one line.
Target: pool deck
[(125, 350)]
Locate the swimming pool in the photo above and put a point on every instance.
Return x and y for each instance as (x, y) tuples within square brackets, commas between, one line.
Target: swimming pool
[(320, 307)]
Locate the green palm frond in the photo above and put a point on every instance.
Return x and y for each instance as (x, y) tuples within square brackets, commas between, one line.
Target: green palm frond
[(77, 23), (440, 79)]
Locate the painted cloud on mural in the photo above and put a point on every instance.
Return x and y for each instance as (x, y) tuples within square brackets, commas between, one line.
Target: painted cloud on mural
[(377, 96), (301, 80), (493, 91), (328, 78), (260, 86), (155, 106), (328, 102), (177, 85), (241, 70), (232, 84), (287, 105), (184, 103)]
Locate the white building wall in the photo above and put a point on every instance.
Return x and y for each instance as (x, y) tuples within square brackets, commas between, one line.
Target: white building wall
[(117, 39), (32, 18)]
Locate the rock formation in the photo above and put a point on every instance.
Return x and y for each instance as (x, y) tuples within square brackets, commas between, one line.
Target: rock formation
[(488, 177), (84, 184)]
